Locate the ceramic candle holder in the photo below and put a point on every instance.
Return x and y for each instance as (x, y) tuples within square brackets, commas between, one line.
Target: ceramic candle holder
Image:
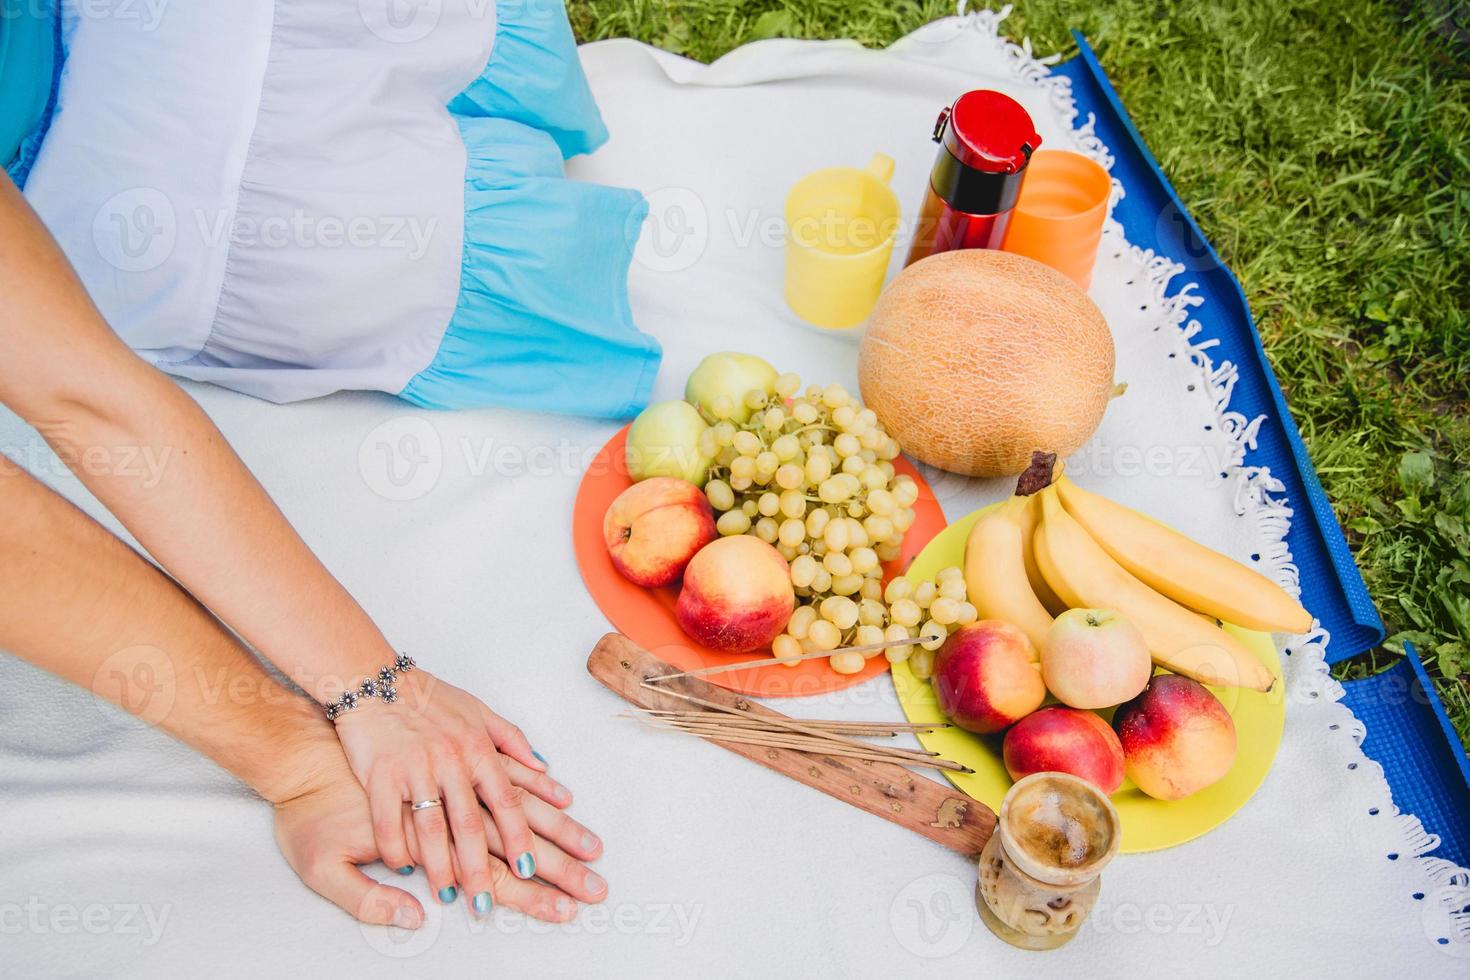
[(1039, 870)]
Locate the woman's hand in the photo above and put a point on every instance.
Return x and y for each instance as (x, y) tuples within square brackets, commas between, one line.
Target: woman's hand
[(438, 743), (325, 831)]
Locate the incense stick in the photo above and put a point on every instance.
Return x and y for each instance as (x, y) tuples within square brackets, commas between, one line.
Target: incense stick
[(809, 744), (755, 724), (694, 718), (943, 764), (780, 721), (864, 728), (795, 741), (798, 740), (866, 649)]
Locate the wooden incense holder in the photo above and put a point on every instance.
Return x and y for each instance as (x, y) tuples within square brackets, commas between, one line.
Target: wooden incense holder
[(935, 810)]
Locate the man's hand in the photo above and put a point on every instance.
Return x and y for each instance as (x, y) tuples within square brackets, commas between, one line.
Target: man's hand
[(325, 833)]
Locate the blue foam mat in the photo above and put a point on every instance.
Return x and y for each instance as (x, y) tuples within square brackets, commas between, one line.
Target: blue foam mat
[(1409, 733), (1155, 218), (1429, 776)]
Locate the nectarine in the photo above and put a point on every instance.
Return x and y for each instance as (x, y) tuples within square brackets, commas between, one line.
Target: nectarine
[(653, 528), (737, 594), (1060, 739), (984, 676), (1177, 737)]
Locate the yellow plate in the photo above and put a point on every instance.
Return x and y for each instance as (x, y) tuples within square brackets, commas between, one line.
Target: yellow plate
[(1148, 824)]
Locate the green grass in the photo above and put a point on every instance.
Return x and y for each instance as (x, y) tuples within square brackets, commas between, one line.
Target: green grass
[(1324, 147)]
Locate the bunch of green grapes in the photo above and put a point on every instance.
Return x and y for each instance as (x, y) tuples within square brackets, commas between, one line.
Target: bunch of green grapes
[(811, 473)]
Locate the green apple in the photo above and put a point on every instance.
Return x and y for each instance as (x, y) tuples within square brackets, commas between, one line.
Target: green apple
[(664, 441), (728, 375)]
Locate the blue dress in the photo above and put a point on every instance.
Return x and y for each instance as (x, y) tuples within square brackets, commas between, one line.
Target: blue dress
[(542, 321), (30, 66)]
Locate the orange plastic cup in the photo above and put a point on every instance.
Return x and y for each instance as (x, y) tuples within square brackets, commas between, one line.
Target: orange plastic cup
[(1058, 218)]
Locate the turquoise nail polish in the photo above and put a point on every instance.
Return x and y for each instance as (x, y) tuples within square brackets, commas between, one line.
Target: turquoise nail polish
[(407, 869), (448, 894), (541, 757), (525, 865), (482, 903)]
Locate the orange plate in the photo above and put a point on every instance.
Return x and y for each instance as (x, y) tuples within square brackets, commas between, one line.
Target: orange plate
[(646, 616)]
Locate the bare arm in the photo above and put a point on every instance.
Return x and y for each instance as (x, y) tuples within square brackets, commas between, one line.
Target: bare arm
[(206, 520), (65, 372), (76, 601), (79, 603)]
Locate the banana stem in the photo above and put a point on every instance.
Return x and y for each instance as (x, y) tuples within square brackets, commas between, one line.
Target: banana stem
[(1038, 476)]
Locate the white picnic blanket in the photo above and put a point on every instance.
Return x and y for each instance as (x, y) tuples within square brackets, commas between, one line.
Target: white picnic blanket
[(123, 854)]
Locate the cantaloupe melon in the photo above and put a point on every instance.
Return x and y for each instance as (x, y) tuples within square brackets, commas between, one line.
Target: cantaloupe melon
[(973, 359)]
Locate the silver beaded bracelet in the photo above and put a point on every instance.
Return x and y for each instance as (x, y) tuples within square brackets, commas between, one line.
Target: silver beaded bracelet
[(381, 686)]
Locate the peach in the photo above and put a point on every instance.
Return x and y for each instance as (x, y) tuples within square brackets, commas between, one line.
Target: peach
[(1094, 658), (737, 595), (655, 527), (1065, 740), (984, 677), (1177, 737)]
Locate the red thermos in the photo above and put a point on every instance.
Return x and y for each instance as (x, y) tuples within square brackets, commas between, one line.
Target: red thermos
[(985, 141)]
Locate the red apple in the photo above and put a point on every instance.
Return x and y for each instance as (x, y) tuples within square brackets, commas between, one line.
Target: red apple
[(1065, 740), (737, 595), (1177, 737), (985, 678), (654, 527), (1094, 658)]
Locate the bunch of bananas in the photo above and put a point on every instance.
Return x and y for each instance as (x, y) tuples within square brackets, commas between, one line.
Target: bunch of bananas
[(1062, 547)]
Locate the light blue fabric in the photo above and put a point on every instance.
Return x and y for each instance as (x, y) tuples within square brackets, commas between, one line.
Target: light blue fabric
[(543, 320), (30, 63), (534, 77)]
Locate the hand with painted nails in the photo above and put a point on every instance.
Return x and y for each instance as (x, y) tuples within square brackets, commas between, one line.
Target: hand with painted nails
[(440, 747), (72, 595), (325, 831)]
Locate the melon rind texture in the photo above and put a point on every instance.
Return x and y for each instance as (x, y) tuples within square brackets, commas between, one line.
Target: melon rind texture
[(975, 358)]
